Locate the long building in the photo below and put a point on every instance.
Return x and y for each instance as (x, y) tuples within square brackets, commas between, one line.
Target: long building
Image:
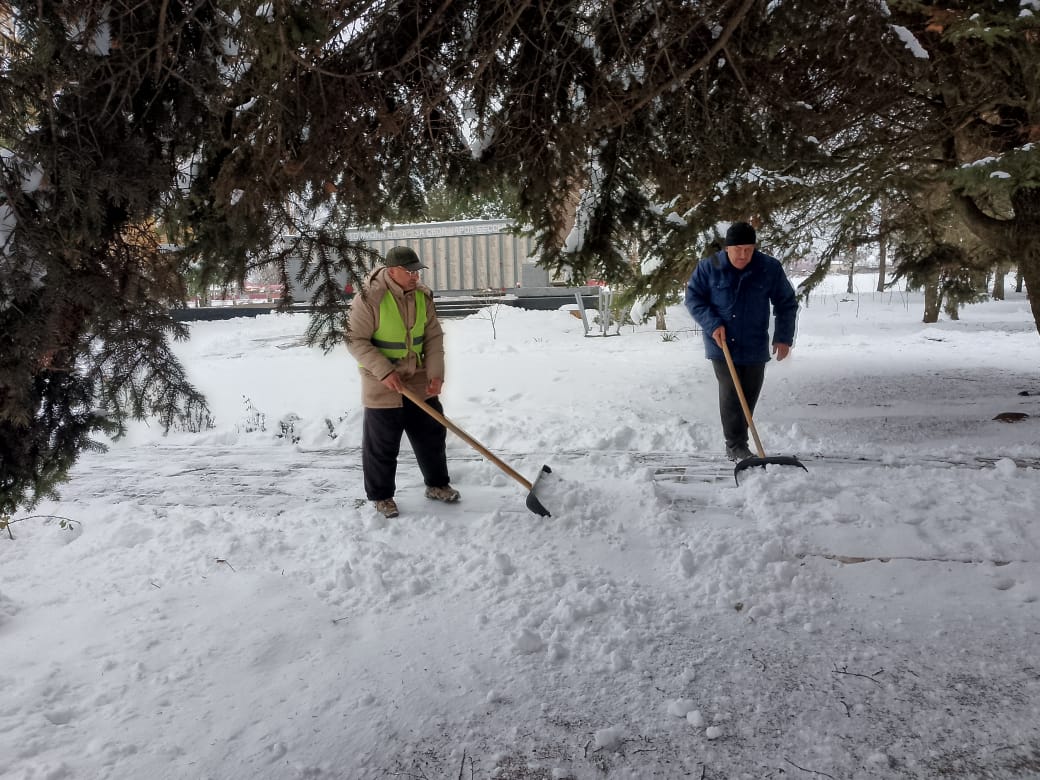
[(464, 257)]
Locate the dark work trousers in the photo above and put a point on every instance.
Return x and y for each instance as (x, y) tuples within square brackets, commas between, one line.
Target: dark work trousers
[(381, 444), (734, 424)]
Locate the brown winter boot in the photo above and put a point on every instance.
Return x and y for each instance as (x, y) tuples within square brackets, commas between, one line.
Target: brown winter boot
[(387, 507), (448, 494)]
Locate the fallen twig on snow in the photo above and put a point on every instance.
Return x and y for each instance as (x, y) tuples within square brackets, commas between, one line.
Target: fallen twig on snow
[(886, 558), (811, 771), (857, 674), (462, 766)]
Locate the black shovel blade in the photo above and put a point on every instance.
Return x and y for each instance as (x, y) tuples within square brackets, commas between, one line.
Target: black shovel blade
[(780, 460), (532, 500)]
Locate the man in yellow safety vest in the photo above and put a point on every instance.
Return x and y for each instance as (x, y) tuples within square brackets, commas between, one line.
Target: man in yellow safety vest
[(395, 336)]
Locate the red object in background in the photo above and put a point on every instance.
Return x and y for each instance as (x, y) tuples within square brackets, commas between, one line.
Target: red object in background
[(263, 292)]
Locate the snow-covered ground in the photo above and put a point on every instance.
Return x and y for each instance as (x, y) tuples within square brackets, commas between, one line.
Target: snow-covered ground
[(225, 604)]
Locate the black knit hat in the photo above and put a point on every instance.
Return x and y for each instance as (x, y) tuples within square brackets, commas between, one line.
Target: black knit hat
[(740, 234), (404, 257)]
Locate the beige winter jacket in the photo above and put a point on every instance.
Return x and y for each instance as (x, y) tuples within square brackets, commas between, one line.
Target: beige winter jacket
[(373, 365)]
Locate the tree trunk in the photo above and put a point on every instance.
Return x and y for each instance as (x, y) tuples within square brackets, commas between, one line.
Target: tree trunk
[(852, 269), (1026, 202), (1016, 237), (999, 272), (882, 249), (660, 320), (1018, 278), (882, 263), (932, 300), (1029, 265)]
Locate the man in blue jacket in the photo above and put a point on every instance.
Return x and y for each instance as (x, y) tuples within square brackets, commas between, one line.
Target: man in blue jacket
[(729, 294)]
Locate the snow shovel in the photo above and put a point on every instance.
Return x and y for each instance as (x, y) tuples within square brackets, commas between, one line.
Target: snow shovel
[(532, 500), (761, 460)]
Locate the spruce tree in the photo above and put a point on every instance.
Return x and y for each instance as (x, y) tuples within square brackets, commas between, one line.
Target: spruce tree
[(984, 77), (146, 143)]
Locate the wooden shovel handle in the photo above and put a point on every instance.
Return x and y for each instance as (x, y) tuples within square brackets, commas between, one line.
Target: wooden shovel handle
[(415, 399), (743, 400)]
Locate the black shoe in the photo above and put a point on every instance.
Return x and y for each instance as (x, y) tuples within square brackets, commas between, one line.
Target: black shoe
[(738, 452)]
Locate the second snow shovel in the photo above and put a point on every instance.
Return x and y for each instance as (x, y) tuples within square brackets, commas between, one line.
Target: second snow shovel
[(532, 500), (761, 460)]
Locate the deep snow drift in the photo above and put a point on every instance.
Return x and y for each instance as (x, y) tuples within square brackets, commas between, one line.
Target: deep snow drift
[(225, 604)]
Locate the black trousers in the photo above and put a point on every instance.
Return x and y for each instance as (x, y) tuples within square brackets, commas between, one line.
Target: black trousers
[(381, 444), (734, 424)]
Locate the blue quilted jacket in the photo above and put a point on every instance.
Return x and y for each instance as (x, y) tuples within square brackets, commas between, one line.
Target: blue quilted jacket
[(718, 294)]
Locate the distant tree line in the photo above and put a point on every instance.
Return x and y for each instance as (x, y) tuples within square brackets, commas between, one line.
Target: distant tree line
[(149, 144)]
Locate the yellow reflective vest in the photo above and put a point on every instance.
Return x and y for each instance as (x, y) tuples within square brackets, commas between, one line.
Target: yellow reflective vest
[(391, 337)]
